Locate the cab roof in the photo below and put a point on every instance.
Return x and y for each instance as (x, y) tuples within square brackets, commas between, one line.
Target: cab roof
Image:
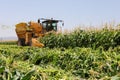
[(50, 21)]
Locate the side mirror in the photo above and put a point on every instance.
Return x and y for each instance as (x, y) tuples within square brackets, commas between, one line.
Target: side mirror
[(38, 20)]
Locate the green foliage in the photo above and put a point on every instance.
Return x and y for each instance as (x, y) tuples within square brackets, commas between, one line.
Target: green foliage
[(6, 74), (80, 38), (28, 75), (79, 55), (8, 42), (21, 63)]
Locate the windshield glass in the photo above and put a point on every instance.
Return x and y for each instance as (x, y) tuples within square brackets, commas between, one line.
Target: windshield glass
[(44, 25), (50, 26), (54, 25)]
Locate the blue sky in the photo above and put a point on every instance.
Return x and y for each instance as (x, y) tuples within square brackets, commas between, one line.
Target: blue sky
[(73, 12)]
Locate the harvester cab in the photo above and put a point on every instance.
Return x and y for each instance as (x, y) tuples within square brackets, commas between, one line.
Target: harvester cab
[(28, 33), (50, 24)]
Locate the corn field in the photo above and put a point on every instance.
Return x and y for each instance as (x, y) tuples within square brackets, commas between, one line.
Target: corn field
[(27, 63), (105, 38), (78, 55)]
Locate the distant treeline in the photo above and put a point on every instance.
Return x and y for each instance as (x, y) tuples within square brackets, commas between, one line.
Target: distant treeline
[(8, 42)]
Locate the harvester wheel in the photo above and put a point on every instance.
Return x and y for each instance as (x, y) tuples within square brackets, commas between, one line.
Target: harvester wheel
[(29, 43), (21, 42)]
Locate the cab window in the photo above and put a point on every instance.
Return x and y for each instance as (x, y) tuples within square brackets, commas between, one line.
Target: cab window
[(54, 25), (44, 25)]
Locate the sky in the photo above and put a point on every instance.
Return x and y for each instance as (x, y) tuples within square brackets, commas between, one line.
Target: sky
[(73, 12)]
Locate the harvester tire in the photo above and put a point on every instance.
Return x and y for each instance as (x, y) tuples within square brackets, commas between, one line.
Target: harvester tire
[(21, 42), (29, 43)]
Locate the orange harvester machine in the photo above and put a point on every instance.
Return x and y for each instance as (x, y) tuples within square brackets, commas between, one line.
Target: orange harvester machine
[(28, 33)]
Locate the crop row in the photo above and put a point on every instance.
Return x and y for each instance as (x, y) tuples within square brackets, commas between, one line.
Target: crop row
[(105, 38), (58, 63)]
